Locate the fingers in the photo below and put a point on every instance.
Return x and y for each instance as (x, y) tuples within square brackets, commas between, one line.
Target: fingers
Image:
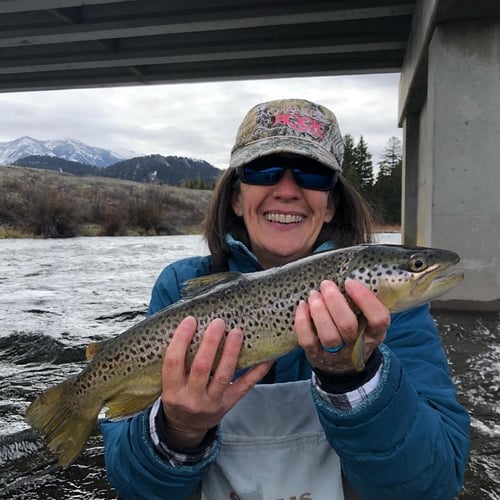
[(247, 381), (327, 320), (345, 319), (204, 359), (221, 383), (336, 306), (175, 356), (376, 314), (204, 363), (227, 365), (213, 366)]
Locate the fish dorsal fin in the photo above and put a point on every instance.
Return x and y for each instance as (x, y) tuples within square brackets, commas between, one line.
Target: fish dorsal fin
[(197, 286), (94, 348)]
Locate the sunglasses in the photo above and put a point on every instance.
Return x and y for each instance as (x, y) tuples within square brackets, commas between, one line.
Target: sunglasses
[(308, 174)]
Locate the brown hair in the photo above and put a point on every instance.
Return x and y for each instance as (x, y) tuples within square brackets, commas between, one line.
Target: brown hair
[(352, 224)]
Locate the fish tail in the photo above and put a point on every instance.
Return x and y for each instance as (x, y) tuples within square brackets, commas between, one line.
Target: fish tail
[(65, 422)]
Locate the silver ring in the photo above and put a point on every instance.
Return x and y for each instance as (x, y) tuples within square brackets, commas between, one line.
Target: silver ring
[(335, 349)]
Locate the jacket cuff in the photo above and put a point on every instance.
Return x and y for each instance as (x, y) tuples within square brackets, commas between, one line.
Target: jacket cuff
[(177, 456), (341, 383), (339, 406)]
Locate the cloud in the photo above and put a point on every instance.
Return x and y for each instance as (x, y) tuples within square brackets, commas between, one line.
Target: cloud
[(198, 120)]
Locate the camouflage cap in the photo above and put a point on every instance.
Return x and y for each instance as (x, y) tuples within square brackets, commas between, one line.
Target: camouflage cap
[(292, 126)]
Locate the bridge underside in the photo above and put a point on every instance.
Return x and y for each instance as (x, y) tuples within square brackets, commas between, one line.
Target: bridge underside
[(51, 44)]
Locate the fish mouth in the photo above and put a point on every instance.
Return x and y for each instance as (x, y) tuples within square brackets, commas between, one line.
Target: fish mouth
[(436, 281)]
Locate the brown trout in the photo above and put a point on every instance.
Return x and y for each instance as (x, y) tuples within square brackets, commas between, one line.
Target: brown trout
[(124, 374)]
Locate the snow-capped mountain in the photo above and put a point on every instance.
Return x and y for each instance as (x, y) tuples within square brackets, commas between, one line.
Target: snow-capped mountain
[(70, 149)]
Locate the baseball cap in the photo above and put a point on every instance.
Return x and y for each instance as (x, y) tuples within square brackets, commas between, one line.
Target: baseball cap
[(293, 126)]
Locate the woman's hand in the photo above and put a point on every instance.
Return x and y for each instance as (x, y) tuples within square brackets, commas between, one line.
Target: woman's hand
[(196, 401), (327, 320)]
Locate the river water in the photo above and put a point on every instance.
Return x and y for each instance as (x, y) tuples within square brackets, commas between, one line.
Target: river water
[(58, 295)]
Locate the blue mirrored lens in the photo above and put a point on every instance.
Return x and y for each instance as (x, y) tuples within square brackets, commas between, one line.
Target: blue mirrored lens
[(312, 177), (263, 176)]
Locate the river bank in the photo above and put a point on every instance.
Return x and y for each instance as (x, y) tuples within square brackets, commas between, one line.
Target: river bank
[(42, 203)]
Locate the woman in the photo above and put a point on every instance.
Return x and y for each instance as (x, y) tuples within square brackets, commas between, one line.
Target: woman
[(306, 426)]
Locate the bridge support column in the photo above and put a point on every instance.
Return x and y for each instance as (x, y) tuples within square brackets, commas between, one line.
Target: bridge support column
[(452, 158)]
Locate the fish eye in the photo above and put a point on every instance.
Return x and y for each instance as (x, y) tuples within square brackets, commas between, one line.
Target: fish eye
[(417, 263)]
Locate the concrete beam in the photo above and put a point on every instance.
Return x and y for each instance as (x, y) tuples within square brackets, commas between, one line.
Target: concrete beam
[(10, 6), (193, 22), (413, 81)]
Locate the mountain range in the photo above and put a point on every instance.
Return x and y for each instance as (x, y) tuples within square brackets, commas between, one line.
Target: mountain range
[(69, 149), (172, 170)]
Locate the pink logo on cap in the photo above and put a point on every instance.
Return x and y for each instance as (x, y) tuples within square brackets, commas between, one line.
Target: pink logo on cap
[(301, 123)]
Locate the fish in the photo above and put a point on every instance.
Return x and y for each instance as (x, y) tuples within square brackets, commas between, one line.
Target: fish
[(123, 374)]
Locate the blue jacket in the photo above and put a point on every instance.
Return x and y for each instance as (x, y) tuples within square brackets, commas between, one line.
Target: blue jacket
[(409, 440)]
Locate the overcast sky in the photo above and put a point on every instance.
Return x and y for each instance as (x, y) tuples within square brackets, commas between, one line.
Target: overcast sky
[(198, 120)]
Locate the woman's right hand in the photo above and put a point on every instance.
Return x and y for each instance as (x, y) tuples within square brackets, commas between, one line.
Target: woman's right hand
[(194, 401)]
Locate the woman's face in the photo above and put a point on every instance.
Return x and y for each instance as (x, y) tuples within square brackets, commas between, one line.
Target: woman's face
[(283, 221)]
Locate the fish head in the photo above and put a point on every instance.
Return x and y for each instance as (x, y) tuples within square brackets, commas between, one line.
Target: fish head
[(403, 277)]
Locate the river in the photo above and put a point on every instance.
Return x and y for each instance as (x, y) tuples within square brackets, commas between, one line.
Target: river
[(58, 295)]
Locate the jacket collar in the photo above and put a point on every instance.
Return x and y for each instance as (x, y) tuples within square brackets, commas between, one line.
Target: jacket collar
[(244, 261)]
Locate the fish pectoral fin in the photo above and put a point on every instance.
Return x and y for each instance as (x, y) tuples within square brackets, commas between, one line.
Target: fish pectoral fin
[(125, 404), (358, 351), (197, 286)]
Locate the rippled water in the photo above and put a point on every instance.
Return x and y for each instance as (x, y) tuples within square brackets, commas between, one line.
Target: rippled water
[(57, 295)]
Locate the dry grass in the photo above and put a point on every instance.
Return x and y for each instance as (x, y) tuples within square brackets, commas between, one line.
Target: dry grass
[(49, 204)]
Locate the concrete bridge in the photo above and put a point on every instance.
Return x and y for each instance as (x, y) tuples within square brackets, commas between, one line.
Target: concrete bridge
[(447, 51)]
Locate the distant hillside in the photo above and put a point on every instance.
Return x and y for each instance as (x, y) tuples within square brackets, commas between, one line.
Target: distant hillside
[(58, 165), (171, 170), (69, 149), (36, 202)]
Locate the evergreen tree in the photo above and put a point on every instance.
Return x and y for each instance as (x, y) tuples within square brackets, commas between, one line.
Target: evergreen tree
[(387, 189), (364, 168), (349, 148), (348, 164)]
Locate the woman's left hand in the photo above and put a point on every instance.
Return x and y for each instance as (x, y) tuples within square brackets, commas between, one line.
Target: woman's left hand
[(326, 319)]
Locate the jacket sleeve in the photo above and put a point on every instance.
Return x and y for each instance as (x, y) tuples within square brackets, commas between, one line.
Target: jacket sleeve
[(137, 471), (410, 438), (133, 466)]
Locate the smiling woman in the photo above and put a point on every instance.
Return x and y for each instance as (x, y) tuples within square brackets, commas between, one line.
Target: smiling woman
[(284, 197)]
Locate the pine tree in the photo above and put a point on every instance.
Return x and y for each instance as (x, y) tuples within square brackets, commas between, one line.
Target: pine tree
[(387, 189), (348, 164), (364, 168), (391, 157)]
